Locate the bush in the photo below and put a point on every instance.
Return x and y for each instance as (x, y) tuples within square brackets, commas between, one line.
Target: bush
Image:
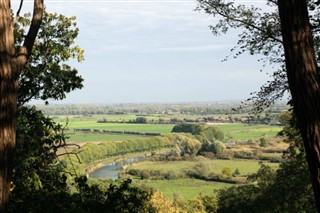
[(226, 172), (145, 174), (194, 129), (263, 142), (236, 172)]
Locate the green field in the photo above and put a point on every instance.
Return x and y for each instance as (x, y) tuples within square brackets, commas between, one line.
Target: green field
[(238, 131), (109, 118), (187, 188), (92, 137), (232, 131), (91, 123), (244, 166)]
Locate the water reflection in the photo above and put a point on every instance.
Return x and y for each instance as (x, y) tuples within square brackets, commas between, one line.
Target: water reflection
[(112, 170)]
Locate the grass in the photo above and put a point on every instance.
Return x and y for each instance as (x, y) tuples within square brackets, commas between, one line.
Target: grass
[(244, 166), (187, 188), (87, 122), (245, 131), (91, 137), (235, 131)]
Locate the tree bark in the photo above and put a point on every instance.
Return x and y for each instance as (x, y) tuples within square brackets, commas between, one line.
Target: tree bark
[(10, 67), (303, 79), (8, 95)]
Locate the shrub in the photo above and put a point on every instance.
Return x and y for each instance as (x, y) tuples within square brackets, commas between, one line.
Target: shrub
[(226, 171), (263, 142), (236, 172), (145, 174), (194, 129)]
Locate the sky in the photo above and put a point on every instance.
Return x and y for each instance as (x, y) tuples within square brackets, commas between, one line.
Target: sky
[(151, 51)]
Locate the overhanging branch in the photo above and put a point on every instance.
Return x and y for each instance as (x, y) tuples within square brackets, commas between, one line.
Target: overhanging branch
[(25, 50)]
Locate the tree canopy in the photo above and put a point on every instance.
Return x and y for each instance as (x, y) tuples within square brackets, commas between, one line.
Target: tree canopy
[(47, 75)]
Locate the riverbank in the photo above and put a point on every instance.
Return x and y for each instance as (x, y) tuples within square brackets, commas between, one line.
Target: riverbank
[(116, 159)]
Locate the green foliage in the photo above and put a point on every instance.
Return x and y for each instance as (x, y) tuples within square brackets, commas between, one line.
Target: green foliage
[(293, 137), (226, 172), (36, 174), (47, 75), (141, 120), (239, 199), (215, 147), (35, 162), (90, 153), (263, 142), (292, 179), (121, 197), (202, 170), (210, 203), (194, 129), (212, 133), (125, 198), (236, 172), (186, 145), (207, 135), (200, 204)]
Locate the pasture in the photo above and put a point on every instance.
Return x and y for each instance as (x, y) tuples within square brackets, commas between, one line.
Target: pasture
[(238, 131), (90, 122), (216, 166), (232, 131), (189, 187)]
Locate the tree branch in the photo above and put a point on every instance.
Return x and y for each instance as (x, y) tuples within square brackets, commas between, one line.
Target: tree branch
[(25, 50), (20, 6), (232, 18)]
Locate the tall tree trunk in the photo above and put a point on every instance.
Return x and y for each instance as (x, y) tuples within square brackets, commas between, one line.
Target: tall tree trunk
[(10, 66), (8, 100), (303, 80)]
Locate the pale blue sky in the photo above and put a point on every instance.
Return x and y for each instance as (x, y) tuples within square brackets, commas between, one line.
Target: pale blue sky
[(155, 51)]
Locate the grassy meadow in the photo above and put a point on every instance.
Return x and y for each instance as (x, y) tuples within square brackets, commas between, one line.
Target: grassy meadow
[(90, 122), (238, 131), (232, 131), (216, 166), (187, 188)]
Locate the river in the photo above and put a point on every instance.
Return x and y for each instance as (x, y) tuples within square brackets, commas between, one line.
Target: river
[(112, 170)]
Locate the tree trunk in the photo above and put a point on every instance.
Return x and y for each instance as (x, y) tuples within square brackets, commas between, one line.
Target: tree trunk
[(303, 81), (8, 100), (10, 67)]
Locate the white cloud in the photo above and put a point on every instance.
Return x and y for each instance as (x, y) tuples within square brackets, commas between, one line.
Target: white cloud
[(144, 48)]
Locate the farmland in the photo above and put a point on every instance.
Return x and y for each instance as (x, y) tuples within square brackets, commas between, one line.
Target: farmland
[(232, 131), (180, 184), (185, 177)]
